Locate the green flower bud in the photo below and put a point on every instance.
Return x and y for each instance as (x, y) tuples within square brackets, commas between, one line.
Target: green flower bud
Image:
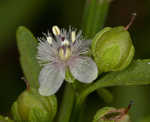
[(110, 114), (112, 49), (32, 107), (5, 119)]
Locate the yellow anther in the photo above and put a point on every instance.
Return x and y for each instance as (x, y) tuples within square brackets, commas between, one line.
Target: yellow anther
[(73, 36), (64, 55), (65, 42), (56, 30), (49, 40), (68, 53)]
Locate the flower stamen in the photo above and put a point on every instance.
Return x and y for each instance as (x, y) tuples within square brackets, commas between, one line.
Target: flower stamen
[(65, 43), (64, 53), (49, 40), (56, 30), (73, 36)]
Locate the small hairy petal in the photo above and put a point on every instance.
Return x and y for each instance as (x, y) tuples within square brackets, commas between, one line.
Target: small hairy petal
[(84, 69), (51, 78), (46, 52)]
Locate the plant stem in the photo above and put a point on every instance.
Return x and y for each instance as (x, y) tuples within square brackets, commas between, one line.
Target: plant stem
[(94, 16), (67, 104), (105, 94)]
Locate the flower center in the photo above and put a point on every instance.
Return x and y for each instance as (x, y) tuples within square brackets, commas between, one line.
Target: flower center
[(64, 53)]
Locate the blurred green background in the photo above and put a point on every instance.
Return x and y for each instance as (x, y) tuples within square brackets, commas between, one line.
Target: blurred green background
[(40, 15)]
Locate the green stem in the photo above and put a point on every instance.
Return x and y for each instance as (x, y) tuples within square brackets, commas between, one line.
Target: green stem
[(94, 16), (77, 112), (105, 94), (67, 104)]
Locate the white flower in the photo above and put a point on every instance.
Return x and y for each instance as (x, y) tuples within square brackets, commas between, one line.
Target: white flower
[(64, 49)]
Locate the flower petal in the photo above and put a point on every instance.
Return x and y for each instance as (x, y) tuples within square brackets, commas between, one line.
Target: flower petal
[(84, 69), (51, 78)]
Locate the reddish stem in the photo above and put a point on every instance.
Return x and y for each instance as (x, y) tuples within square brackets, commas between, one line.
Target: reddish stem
[(131, 21), (26, 82), (129, 107)]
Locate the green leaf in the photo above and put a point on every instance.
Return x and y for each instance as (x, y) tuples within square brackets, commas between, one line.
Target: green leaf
[(138, 73), (94, 16), (27, 45)]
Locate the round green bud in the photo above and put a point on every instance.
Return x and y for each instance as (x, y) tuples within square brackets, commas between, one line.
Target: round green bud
[(5, 119), (110, 114), (112, 49), (32, 107)]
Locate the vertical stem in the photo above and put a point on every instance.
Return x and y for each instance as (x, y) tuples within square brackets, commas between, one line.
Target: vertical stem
[(67, 104), (105, 94), (94, 16), (77, 112)]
